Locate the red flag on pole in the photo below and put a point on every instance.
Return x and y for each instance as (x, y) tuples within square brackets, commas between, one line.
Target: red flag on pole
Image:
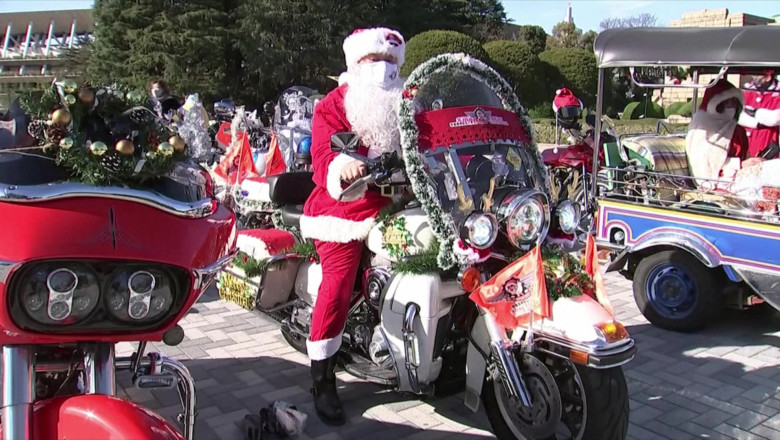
[(592, 269), (238, 164), (516, 292), (274, 162)]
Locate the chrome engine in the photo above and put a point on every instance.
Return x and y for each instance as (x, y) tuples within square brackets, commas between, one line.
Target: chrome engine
[(374, 281)]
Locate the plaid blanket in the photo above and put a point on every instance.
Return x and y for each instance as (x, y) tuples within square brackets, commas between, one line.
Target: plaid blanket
[(666, 154)]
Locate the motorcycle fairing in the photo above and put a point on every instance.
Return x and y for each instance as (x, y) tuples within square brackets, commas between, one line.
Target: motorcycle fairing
[(468, 124)]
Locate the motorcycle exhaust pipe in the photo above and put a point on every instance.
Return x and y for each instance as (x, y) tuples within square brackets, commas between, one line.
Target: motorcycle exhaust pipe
[(511, 378)]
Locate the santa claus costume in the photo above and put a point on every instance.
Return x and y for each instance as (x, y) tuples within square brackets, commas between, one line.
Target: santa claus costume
[(365, 103), (762, 118)]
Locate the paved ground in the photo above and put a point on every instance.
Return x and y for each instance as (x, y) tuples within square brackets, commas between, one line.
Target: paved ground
[(720, 383)]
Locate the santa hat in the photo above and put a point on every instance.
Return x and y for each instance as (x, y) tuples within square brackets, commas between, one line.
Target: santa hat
[(380, 41), (565, 98), (718, 93)]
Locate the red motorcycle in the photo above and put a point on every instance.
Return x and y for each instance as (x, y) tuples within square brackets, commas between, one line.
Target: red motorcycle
[(571, 166), (84, 267)]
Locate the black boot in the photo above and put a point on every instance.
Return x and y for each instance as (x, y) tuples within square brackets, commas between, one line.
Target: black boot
[(326, 400)]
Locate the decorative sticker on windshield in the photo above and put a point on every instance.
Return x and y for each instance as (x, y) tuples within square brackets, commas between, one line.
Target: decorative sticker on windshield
[(514, 158), (478, 117)]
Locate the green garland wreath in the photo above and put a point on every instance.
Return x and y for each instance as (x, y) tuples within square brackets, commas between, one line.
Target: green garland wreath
[(441, 223), (102, 135), (253, 267)]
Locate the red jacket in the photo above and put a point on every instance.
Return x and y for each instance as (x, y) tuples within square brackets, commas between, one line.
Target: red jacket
[(325, 218), (767, 132)]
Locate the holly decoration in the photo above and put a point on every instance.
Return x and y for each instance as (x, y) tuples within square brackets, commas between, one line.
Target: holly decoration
[(253, 267), (100, 116), (395, 237), (565, 276)]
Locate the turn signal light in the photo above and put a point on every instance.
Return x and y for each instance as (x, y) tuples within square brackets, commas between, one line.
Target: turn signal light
[(470, 279), (613, 331), (579, 357)]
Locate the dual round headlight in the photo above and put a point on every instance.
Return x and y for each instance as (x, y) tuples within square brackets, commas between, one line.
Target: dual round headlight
[(526, 214), (480, 230), (567, 215)]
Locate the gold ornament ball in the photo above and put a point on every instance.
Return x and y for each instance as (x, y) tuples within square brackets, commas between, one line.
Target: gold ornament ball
[(98, 148), (69, 86), (86, 95), (165, 148), (61, 116), (66, 143), (134, 95), (70, 99), (177, 142), (125, 147)]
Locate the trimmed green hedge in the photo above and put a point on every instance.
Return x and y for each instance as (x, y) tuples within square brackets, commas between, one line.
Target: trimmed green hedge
[(572, 68), (515, 61), (545, 128), (427, 45), (673, 108), (634, 110)]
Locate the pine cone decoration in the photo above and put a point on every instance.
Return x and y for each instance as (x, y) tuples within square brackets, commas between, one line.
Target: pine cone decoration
[(152, 141), (55, 133), (111, 162), (37, 129)]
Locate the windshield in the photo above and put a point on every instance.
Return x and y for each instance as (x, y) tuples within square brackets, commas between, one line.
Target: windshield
[(473, 149)]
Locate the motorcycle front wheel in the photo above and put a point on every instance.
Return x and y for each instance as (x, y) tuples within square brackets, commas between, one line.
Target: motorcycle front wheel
[(568, 402)]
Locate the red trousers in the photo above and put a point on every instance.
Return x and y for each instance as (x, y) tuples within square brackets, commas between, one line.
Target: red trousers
[(340, 263)]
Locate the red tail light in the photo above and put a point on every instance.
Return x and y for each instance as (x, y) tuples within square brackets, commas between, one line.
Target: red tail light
[(209, 187)]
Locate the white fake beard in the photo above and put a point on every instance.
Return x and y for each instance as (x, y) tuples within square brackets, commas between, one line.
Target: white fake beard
[(373, 113)]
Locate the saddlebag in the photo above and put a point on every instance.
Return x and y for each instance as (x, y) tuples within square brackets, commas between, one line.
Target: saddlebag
[(273, 284)]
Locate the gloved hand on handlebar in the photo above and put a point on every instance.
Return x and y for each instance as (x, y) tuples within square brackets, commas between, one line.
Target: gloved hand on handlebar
[(353, 171)]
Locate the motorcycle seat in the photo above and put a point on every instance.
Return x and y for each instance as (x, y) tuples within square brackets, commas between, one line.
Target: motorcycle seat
[(290, 188), (291, 215)]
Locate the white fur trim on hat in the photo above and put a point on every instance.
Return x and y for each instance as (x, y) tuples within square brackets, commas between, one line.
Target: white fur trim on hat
[(725, 95), (381, 41), (333, 183)]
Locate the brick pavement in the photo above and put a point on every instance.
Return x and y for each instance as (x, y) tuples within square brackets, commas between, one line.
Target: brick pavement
[(717, 384)]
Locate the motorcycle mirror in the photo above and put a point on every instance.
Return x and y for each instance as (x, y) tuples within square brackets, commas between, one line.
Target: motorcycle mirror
[(344, 141), (268, 108)]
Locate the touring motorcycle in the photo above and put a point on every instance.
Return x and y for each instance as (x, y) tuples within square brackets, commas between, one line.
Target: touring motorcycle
[(474, 178), (84, 267)]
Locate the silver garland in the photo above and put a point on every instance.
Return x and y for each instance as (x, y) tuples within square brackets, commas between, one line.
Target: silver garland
[(442, 224), (193, 129)]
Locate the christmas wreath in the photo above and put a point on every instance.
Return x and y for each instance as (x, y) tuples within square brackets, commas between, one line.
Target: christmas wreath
[(442, 223), (104, 135)]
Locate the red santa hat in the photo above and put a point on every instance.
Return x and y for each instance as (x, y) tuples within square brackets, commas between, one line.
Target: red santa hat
[(380, 41), (718, 93), (565, 98)]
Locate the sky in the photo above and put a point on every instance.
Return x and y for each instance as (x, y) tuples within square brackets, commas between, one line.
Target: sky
[(546, 13)]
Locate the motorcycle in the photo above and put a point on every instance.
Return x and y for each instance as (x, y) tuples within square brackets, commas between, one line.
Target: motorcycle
[(84, 267), (571, 167), (477, 195)]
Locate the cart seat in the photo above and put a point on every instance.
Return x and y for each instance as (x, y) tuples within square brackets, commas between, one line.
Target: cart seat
[(665, 154)]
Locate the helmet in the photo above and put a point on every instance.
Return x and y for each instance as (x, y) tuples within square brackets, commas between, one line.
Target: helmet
[(304, 146), (567, 107)]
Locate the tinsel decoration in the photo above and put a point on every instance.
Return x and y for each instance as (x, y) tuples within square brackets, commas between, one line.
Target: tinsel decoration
[(193, 129), (253, 267), (105, 119), (441, 223)]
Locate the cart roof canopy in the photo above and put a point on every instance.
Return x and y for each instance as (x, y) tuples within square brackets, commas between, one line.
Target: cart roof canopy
[(736, 46)]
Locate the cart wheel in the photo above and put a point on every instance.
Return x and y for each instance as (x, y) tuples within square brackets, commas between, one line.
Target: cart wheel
[(675, 291)]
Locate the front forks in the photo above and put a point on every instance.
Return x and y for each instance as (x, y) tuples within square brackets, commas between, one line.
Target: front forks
[(100, 366), (505, 361)]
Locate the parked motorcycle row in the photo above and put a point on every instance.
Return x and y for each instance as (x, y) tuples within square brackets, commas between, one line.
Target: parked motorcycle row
[(103, 275)]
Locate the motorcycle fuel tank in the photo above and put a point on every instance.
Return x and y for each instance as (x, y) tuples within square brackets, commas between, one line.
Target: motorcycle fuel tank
[(416, 223)]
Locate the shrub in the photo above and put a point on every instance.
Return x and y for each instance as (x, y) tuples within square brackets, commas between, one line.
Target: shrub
[(572, 68), (673, 108), (637, 109), (427, 45), (686, 109), (517, 63), (541, 111)]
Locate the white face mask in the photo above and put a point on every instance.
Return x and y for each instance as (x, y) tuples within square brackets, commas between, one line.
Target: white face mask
[(157, 93), (731, 112), (380, 73)]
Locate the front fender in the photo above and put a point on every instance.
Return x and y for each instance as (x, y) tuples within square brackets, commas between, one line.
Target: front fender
[(97, 416), (696, 245)]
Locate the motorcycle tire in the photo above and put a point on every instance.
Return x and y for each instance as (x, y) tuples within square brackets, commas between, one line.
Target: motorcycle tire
[(704, 288), (606, 400)]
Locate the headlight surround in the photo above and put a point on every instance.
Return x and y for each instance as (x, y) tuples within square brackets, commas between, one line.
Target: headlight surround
[(480, 230), (567, 215), (60, 293), (138, 294), (527, 216)]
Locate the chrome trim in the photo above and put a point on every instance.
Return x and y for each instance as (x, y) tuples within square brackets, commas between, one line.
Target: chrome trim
[(511, 378), (493, 224), (411, 347), (100, 373), (41, 193), (18, 378), (204, 276), (511, 203), (6, 267)]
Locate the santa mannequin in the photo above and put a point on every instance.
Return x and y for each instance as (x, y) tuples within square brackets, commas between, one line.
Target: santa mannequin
[(761, 117), (365, 103)]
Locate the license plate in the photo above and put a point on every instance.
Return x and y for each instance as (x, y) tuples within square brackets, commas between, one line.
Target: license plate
[(236, 290)]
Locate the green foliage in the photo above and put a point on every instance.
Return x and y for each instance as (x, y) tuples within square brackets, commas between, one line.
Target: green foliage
[(543, 110), (545, 128), (427, 45), (516, 62), (572, 68), (686, 109), (642, 109), (673, 108), (587, 39), (535, 36), (564, 35)]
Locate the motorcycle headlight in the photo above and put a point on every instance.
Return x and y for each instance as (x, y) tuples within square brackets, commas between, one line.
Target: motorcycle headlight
[(60, 294), (139, 295), (480, 230), (568, 216), (527, 218)]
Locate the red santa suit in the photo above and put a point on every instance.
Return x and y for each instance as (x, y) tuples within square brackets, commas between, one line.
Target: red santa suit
[(339, 228), (762, 128)]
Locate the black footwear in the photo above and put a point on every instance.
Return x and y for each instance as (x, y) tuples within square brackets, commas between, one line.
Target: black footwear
[(326, 400)]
